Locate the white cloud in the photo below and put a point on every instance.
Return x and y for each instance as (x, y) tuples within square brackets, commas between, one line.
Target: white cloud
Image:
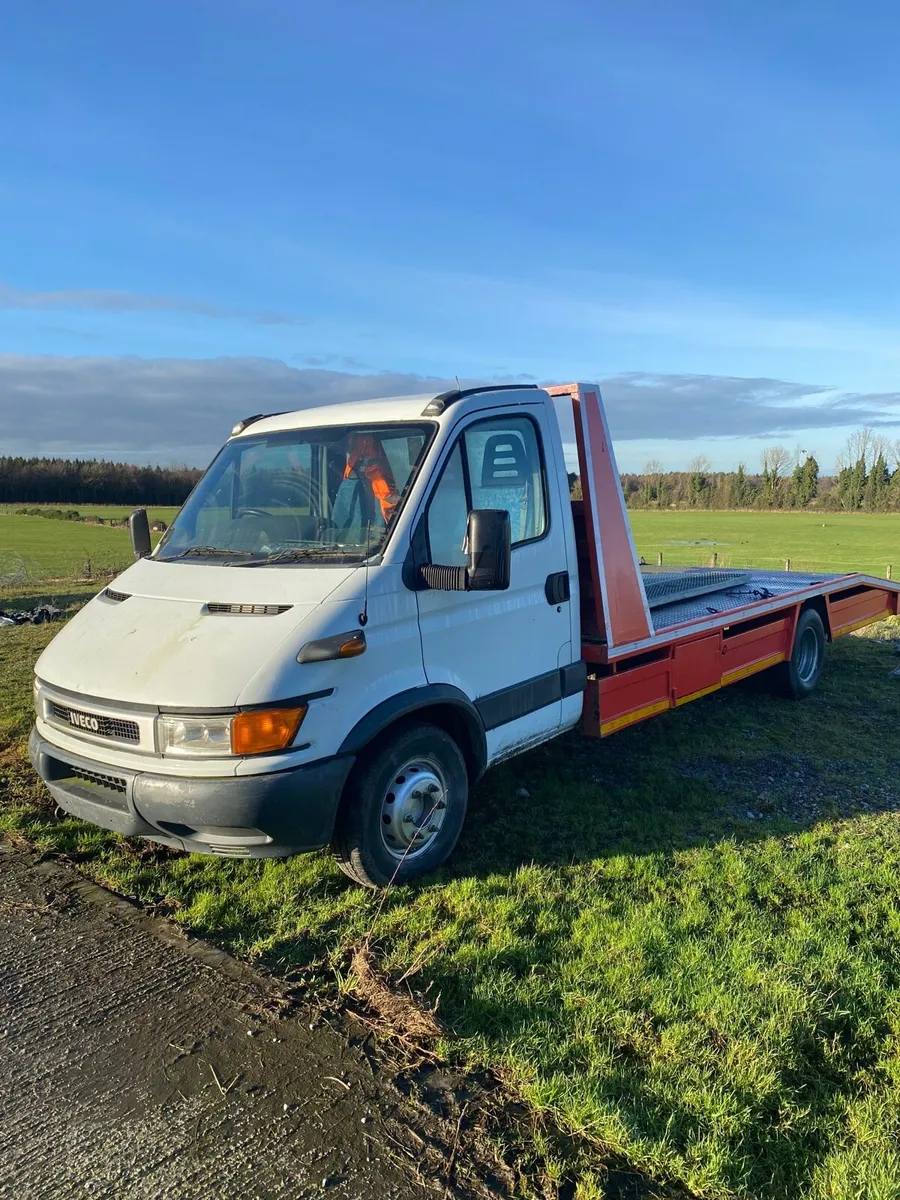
[(110, 301), (165, 410)]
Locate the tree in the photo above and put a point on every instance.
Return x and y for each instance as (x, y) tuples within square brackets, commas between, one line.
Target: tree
[(775, 461), (72, 481), (863, 450), (804, 482), (877, 485), (652, 483), (698, 487), (739, 493)]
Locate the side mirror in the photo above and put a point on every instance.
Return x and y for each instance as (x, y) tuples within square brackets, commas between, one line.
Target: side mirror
[(139, 527), (489, 546), (489, 540)]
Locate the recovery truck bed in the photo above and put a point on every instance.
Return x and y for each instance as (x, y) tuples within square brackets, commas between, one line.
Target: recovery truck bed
[(653, 642)]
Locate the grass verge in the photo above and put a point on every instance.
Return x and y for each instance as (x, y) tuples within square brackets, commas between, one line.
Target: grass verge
[(679, 945)]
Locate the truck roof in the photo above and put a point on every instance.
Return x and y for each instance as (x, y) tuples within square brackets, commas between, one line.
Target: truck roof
[(381, 408)]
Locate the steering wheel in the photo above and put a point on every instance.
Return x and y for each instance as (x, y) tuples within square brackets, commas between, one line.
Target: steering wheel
[(255, 512)]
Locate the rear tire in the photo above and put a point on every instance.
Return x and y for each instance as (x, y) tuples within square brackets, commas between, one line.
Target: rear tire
[(798, 677), (403, 807)]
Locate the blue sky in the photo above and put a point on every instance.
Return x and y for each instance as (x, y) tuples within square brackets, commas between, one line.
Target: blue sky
[(214, 204)]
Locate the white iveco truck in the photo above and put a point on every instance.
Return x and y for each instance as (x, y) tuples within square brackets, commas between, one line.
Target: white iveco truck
[(361, 608), (279, 674)]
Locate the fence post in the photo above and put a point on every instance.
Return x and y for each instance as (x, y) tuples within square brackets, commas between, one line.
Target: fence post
[(659, 560), (714, 562), (888, 576), (787, 564)]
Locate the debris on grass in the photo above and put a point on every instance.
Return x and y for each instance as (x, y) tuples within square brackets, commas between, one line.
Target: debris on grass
[(31, 616), (400, 1014)]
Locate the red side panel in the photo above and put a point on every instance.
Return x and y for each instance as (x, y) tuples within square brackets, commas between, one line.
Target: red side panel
[(685, 670), (697, 667), (768, 643), (849, 612)]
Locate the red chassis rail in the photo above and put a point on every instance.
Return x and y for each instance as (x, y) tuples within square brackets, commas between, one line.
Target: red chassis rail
[(635, 671)]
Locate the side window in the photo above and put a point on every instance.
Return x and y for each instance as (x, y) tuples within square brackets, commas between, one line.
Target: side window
[(448, 514), (506, 471), (494, 464)]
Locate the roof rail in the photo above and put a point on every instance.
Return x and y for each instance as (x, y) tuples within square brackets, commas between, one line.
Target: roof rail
[(240, 426), (439, 403)]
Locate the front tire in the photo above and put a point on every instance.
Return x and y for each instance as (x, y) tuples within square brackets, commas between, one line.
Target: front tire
[(403, 807), (798, 677)]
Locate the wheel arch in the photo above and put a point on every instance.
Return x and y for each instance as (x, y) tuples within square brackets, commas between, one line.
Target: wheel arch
[(819, 605), (439, 703)]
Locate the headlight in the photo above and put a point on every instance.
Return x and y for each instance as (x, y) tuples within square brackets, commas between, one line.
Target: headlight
[(258, 731), (36, 695), (190, 737)]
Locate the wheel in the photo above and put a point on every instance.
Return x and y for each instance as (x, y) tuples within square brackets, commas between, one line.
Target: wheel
[(403, 807), (800, 674)]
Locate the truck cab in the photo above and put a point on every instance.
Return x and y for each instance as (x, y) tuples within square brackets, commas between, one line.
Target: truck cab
[(358, 610)]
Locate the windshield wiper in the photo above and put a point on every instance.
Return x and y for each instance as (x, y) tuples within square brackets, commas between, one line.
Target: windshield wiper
[(297, 553), (206, 552)]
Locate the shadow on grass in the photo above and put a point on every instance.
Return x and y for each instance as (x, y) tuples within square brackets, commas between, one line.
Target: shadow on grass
[(22, 599), (743, 765)]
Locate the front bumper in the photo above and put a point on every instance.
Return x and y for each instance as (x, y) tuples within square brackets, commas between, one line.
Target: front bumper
[(248, 816)]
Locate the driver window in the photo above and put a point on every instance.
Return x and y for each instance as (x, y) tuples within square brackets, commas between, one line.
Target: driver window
[(448, 515), (503, 469)]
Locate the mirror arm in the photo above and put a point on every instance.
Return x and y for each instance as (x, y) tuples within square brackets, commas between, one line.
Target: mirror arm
[(445, 579)]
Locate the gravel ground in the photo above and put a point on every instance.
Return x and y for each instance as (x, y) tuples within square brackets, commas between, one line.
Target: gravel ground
[(136, 1063)]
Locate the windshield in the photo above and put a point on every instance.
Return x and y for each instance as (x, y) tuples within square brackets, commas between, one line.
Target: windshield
[(306, 494)]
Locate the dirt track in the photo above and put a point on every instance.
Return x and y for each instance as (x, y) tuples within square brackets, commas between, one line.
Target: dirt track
[(137, 1064)]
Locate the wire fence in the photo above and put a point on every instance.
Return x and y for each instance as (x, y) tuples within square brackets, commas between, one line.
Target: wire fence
[(22, 570), (826, 564)]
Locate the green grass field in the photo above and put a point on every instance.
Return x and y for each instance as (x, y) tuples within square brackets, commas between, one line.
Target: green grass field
[(35, 548), (836, 542), (679, 948)]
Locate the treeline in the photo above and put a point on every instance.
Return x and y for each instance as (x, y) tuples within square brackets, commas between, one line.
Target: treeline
[(74, 481), (867, 480)]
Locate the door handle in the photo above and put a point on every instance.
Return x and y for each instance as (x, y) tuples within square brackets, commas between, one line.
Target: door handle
[(556, 589)]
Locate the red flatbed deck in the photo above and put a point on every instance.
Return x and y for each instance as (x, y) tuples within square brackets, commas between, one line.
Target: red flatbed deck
[(643, 661)]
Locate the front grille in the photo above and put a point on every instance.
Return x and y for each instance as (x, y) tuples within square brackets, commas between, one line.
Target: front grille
[(112, 783), (111, 727), (249, 610)]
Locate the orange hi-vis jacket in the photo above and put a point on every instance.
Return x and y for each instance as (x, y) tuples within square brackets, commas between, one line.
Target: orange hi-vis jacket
[(367, 457)]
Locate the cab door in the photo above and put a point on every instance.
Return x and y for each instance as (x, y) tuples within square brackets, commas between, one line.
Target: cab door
[(506, 650)]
